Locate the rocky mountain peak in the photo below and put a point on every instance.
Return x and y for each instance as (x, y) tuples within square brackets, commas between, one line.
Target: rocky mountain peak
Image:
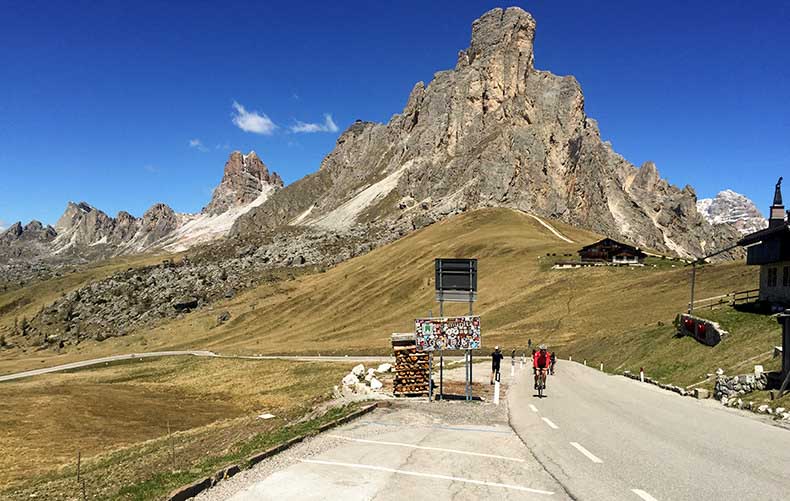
[(245, 178), (731, 208), (504, 34), (493, 131)]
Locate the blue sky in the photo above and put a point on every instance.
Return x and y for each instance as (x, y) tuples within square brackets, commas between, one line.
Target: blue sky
[(105, 103)]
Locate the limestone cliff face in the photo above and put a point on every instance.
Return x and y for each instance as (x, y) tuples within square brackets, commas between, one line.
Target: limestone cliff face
[(245, 178), (494, 131)]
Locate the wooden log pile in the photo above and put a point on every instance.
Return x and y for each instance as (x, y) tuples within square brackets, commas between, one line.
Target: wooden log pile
[(412, 368)]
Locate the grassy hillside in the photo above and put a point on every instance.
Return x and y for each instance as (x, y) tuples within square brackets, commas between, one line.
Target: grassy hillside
[(118, 418), (354, 307)]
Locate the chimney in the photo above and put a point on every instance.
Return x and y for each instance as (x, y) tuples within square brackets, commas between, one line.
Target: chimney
[(777, 217)]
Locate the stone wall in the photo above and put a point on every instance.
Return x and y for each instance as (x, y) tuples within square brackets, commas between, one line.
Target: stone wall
[(731, 387), (703, 330)]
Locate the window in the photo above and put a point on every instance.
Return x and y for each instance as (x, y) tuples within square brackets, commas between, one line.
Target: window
[(772, 277), (786, 276)]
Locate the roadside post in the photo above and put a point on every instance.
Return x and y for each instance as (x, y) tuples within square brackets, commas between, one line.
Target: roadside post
[(496, 389), (642, 374)]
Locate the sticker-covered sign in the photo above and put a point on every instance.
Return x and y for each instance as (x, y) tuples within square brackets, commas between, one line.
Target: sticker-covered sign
[(447, 333)]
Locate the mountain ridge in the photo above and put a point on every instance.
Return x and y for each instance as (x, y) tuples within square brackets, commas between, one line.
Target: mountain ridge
[(84, 231), (491, 132)]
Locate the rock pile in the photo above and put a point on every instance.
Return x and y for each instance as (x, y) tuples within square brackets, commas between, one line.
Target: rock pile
[(412, 368), (727, 388), (359, 382)]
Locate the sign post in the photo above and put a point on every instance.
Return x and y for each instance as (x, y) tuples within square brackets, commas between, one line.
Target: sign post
[(456, 281)]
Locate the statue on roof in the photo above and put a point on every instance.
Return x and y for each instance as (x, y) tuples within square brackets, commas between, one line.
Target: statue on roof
[(778, 192)]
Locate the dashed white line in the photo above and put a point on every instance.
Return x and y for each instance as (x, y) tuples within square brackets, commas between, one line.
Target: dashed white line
[(550, 423), (592, 457), (644, 495), (533, 408), (428, 475), (440, 449)]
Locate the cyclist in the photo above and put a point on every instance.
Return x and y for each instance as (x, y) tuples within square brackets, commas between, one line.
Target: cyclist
[(540, 364), (553, 361), (496, 359)]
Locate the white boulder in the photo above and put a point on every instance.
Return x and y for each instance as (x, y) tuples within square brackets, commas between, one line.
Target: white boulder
[(350, 379), (370, 374), (384, 368), (375, 384), (358, 371), (361, 389)]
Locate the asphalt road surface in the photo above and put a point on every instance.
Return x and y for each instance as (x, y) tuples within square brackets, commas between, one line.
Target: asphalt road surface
[(608, 437), (411, 451), (593, 437)]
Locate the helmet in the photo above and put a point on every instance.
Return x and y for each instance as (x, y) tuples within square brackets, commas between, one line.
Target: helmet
[(542, 347), (496, 348)]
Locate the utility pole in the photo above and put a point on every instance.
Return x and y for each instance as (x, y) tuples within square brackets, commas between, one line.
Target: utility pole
[(693, 283)]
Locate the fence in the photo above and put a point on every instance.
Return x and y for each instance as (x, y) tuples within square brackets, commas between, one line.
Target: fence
[(730, 299)]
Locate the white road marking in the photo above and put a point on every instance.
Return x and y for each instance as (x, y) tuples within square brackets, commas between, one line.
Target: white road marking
[(587, 453), (644, 495), (550, 423), (533, 408), (454, 451), (428, 475)]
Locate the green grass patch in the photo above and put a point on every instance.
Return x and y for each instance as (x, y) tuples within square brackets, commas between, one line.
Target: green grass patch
[(682, 360)]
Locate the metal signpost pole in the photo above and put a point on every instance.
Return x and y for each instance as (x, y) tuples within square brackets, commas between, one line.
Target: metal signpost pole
[(441, 352), (471, 297)]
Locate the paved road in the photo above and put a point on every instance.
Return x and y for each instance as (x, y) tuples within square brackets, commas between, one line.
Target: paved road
[(594, 437), (197, 353), (413, 450), (608, 437)]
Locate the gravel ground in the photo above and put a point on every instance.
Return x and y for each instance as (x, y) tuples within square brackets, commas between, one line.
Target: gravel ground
[(392, 413)]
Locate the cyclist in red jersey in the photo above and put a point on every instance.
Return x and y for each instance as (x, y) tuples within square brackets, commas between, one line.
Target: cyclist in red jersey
[(541, 362)]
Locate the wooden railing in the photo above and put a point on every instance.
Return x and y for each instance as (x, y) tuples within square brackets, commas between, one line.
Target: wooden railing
[(730, 299)]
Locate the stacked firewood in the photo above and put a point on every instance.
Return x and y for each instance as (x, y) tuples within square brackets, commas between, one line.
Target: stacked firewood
[(412, 368)]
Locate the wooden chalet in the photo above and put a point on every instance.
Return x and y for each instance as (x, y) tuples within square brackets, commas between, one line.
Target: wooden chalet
[(770, 250), (610, 251)]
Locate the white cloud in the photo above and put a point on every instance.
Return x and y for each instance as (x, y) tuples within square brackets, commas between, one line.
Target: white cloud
[(2, 225), (252, 121), (329, 125), (150, 168), (198, 145)]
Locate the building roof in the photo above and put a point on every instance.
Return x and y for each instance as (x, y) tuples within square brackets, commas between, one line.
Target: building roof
[(610, 241), (766, 234)]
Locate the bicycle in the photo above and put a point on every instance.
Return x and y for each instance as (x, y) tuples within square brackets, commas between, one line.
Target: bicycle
[(541, 381)]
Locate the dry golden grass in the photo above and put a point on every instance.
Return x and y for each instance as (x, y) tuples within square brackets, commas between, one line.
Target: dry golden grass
[(113, 411), (608, 314), (355, 306)]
